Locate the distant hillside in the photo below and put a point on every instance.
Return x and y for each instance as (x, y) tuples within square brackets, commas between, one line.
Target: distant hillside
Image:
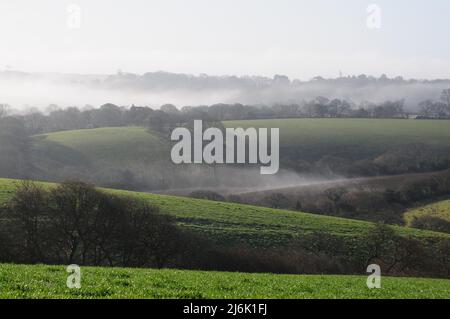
[(351, 138), (122, 146), (133, 158), (432, 216), (309, 138), (123, 157)]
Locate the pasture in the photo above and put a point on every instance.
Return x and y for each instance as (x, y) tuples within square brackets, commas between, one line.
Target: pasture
[(308, 139), (117, 145), (40, 281), (229, 223), (350, 138)]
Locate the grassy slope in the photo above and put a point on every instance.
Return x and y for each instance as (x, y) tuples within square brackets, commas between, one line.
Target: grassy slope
[(120, 145), (314, 138), (230, 223), (439, 209), (50, 282), (308, 138)]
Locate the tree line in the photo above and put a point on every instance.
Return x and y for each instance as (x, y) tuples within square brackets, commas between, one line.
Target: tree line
[(440, 109), (75, 223), (169, 116)]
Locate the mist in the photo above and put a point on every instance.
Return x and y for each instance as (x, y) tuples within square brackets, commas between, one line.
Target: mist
[(23, 93), (38, 90)]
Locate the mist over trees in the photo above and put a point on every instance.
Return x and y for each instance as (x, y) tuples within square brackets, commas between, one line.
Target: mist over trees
[(4, 110), (169, 116), (439, 109), (19, 159), (157, 88)]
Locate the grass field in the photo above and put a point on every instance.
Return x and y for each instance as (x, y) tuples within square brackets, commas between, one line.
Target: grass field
[(39, 281), (355, 138), (119, 145), (439, 209), (229, 223), (307, 138)]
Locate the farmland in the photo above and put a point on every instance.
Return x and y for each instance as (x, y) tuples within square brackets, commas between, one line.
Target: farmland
[(109, 144), (351, 138), (226, 223), (229, 223), (40, 281), (312, 138), (134, 158)]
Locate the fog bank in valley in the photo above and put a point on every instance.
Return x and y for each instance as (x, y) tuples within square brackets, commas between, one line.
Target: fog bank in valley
[(25, 90)]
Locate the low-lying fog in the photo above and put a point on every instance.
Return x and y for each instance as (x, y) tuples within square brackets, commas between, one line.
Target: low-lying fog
[(227, 180), (26, 90)]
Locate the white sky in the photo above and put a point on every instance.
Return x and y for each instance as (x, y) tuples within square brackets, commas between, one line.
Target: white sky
[(298, 38)]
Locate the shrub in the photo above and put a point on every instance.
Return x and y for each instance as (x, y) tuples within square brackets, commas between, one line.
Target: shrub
[(75, 223), (277, 200), (209, 195), (431, 223)]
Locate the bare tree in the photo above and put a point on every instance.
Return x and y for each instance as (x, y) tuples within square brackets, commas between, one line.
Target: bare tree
[(4, 110), (28, 207), (445, 98), (426, 108)]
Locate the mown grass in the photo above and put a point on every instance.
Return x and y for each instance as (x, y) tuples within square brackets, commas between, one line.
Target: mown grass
[(229, 223), (40, 281), (439, 209)]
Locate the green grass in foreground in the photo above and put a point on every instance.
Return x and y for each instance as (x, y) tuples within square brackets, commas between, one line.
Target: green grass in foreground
[(229, 223), (39, 281)]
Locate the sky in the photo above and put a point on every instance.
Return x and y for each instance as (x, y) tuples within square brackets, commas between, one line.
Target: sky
[(297, 38)]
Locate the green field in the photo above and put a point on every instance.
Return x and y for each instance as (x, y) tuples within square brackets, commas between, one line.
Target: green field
[(440, 210), (39, 281), (118, 145), (308, 138), (229, 223), (355, 138)]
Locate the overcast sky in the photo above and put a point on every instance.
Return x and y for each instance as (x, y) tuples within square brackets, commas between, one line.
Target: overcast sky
[(298, 38)]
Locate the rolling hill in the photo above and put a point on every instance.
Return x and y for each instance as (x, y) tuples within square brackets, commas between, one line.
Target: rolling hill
[(133, 158), (439, 210), (119, 157), (229, 223), (312, 138), (355, 138), (116, 145)]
